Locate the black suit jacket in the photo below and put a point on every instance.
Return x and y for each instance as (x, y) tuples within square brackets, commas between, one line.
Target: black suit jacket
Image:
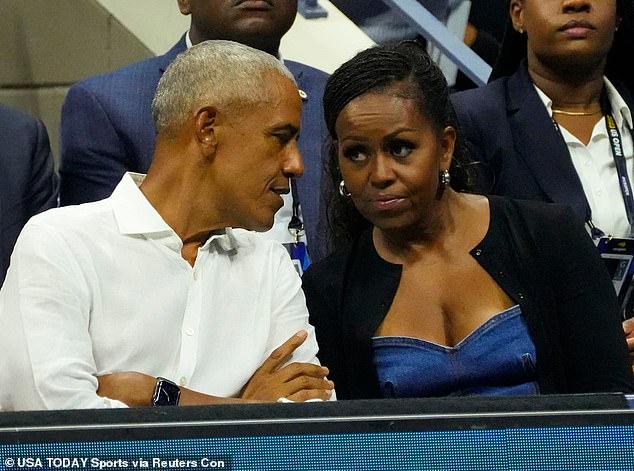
[(508, 129), (28, 182)]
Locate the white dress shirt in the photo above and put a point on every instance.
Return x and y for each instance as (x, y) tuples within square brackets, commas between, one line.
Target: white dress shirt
[(595, 165), (102, 287)]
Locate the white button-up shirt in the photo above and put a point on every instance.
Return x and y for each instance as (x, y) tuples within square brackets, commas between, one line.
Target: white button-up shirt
[(102, 287), (595, 165)]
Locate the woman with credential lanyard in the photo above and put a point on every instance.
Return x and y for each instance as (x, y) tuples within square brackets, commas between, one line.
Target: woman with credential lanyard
[(555, 121), (434, 291)]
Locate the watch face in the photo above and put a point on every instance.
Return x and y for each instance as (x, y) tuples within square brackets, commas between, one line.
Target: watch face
[(166, 393)]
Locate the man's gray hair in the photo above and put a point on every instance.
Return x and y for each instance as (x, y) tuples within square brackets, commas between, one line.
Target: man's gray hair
[(213, 73)]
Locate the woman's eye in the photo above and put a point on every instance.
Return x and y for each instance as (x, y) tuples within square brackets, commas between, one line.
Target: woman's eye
[(355, 154), (401, 149)]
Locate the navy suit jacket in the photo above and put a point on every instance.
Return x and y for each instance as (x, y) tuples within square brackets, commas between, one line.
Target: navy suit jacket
[(28, 182), (508, 129), (107, 129)]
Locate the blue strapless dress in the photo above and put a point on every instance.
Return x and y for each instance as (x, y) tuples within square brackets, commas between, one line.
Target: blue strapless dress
[(498, 358)]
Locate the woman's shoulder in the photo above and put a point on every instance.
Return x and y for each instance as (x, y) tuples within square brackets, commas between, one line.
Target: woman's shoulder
[(544, 219), (333, 269), (328, 267)]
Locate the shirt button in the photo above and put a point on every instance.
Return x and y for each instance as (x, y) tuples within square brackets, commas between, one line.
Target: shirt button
[(195, 275), (182, 381), (189, 331), (478, 252), (599, 193), (501, 274), (520, 295)]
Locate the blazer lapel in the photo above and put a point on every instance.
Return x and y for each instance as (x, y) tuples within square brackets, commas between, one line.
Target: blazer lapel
[(167, 58), (541, 147)]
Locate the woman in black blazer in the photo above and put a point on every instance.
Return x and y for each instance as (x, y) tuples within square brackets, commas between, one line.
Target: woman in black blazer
[(539, 127)]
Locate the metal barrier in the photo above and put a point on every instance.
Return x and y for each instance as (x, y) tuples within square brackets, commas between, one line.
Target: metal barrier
[(436, 32), (310, 9)]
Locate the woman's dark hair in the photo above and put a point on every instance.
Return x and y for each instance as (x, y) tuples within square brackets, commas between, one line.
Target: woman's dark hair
[(513, 48), (374, 70)]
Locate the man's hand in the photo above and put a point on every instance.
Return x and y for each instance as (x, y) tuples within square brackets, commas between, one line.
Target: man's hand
[(132, 388), (628, 327), (296, 381)]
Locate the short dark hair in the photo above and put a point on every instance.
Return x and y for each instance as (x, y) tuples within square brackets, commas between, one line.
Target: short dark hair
[(375, 69)]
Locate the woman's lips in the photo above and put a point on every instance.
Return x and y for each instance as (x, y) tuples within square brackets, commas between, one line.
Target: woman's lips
[(387, 203)]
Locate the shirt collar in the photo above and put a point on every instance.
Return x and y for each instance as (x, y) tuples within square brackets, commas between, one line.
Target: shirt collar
[(188, 43), (620, 110), (136, 216), (133, 212)]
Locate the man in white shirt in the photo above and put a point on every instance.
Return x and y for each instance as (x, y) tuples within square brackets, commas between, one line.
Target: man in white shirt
[(157, 295)]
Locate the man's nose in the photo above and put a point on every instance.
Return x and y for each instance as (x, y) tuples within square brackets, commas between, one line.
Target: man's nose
[(293, 165)]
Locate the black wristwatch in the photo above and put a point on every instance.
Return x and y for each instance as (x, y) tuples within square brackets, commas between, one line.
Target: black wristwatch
[(166, 393)]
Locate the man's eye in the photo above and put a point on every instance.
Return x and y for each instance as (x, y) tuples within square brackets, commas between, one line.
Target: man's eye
[(283, 138)]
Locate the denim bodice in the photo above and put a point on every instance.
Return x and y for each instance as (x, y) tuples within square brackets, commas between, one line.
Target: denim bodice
[(498, 358)]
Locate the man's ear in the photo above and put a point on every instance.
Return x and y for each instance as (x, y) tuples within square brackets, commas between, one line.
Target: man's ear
[(184, 7), (206, 129)]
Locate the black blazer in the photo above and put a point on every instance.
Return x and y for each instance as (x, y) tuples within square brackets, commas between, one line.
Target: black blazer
[(539, 254), (508, 129), (28, 182)]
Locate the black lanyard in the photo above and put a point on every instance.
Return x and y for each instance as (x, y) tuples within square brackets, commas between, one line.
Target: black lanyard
[(295, 225), (616, 144)]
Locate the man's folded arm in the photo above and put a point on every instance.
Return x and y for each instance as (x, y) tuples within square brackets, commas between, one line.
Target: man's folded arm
[(45, 309)]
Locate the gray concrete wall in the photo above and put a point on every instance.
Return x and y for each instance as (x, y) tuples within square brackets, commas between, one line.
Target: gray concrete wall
[(49, 44)]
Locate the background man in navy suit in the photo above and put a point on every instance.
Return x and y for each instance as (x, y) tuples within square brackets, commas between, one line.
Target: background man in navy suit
[(107, 127), (28, 182)]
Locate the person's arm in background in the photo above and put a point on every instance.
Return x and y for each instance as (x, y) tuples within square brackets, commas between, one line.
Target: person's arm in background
[(29, 183), (93, 156), (43, 190)]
